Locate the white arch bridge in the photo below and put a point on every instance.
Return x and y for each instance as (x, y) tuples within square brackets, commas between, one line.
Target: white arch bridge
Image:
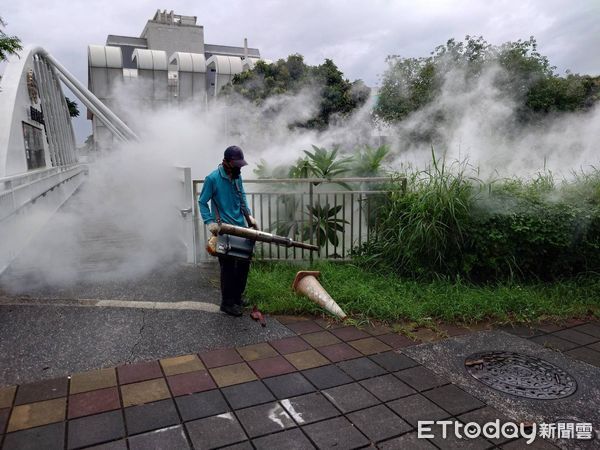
[(39, 167)]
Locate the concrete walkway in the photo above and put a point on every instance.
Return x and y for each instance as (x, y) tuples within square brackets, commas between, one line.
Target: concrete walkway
[(325, 386)]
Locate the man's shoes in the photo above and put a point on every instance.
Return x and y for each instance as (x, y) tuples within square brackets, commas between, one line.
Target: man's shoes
[(232, 310)]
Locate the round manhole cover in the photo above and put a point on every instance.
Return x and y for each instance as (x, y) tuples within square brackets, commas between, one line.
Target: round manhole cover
[(521, 375)]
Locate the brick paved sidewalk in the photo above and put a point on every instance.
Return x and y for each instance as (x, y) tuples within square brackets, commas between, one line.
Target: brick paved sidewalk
[(329, 386)]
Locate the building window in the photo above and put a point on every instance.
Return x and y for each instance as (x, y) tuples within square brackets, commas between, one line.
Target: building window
[(34, 146)]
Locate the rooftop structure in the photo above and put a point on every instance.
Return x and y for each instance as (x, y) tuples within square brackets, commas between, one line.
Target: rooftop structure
[(169, 64)]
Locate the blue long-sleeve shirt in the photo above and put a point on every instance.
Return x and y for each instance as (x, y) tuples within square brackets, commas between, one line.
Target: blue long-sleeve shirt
[(220, 190)]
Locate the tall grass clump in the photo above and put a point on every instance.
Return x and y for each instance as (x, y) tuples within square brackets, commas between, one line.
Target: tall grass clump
[(421, 230), (451, 224)]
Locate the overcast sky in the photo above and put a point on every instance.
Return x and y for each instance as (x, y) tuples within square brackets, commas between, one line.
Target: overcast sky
[(357, 35)]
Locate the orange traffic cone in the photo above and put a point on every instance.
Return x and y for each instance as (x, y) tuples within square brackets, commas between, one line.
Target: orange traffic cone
[(306, 283)]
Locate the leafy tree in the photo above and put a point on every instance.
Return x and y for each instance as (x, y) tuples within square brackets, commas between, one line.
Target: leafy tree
[(527, 76), (338, 96), (9, 45), (73, 108)]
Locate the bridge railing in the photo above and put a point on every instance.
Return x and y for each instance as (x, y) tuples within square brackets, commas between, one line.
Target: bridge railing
[(47, 189), (335, 214)]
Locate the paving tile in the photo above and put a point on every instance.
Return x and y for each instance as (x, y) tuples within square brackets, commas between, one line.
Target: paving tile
[(421, 378), (321, 339), (92, 380), (151, 416), (306, 359), (554, 342), (378, 423), (289, 439), (4, 415), (215, 431), (329, 323), (304, 327), (289, 385), (257, 351), (36, 414), (595, 346), (114, 445), (270, 367), (200, 405), (171, 438), (484, 415), (452, 442), (132, 373), (575, 336), (396, 341), (339, 352), (144, 392), (326, 376), (286, 319), (93, 402), (538, 444), (42, 390), (246, 445), (96, 429), (290, 345), (361, 368), (350, 397), (452, 399), (408, 440), (453, 330), (7, 394), (47, 437), (233, 374), (393, 361), (416, 407), (188, 383), (589, 328), (309, 408), (222, 357), (247, 394), (181, 364), (336, 433), (522, 331), (377, 330), (350, 333), (548, 327), (370, 346), (387, 387), (264, 419), (585, 354)]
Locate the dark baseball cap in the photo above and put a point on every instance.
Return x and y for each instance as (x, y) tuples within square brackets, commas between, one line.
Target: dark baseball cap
[(235, 155)]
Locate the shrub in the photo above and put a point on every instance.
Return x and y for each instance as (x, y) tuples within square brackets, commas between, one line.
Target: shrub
[(449, 224)]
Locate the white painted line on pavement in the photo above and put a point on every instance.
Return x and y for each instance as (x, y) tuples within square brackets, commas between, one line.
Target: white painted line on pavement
[(182, 305)]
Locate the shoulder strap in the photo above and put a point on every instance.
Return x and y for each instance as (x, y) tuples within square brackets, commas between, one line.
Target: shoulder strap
[(243, 208), (218, 216)]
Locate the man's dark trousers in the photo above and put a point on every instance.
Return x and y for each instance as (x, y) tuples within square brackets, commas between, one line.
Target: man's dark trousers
[(234, 274)]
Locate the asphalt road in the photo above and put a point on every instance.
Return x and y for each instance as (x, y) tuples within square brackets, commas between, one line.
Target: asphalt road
[(54, 318)]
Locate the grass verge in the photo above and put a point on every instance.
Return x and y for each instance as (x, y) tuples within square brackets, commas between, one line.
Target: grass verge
[(386, 297)]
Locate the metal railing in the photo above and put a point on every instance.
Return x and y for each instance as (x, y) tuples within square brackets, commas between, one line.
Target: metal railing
[(336, 214)]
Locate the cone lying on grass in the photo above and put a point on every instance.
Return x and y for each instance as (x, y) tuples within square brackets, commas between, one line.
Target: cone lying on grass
[(306, 283)]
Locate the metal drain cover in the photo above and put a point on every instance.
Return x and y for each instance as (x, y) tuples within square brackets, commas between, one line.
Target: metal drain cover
[(521, 375)]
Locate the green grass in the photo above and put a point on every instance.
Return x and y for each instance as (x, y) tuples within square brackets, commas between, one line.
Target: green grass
[(364, 294)]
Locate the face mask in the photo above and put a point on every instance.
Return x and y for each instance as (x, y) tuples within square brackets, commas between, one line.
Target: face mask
[(235, 172)]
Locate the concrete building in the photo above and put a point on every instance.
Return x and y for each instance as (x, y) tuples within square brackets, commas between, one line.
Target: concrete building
[(168, 65)]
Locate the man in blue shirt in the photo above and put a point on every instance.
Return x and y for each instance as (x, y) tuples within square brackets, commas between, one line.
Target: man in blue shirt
[(224, 189)]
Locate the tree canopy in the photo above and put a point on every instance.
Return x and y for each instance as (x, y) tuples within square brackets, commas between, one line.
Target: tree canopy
[(338, 96), (9, 45), (526, 76)]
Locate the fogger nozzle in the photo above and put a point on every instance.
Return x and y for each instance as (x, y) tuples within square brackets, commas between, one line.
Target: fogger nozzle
[(262, 236)]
